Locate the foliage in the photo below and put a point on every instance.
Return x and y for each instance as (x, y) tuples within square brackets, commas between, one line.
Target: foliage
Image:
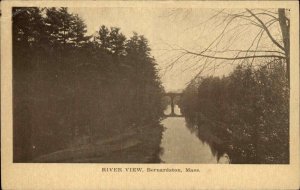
[(248, 110), (67, 85)]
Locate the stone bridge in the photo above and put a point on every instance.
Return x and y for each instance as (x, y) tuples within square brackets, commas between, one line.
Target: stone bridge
[(172, 96)]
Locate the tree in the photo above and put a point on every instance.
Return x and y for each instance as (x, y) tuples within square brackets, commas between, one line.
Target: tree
[(28, 35), (79, 30), (39, 34), (67, 88), (111, 40), (65, 28), (148, 89), (117, 41), (248, 110), (27, 26), (264, 45)]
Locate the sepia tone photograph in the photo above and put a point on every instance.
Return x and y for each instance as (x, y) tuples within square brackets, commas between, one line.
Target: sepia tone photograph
[(151, 85)]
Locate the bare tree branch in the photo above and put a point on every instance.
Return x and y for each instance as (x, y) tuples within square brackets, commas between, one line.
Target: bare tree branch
[(259, 51), (266, 29), (257, 46), (234, 27), (234, 58), (267, 15)]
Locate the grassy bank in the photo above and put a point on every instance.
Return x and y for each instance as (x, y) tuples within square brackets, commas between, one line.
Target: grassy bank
[(139, 145)]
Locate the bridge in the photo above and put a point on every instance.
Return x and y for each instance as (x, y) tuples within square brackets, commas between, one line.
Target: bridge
[(172, 96)]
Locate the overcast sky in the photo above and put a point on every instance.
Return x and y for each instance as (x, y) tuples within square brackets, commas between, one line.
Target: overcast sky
[(167, 29)]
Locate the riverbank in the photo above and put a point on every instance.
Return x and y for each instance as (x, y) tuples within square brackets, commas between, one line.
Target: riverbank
[(248, 110), (138, 145)]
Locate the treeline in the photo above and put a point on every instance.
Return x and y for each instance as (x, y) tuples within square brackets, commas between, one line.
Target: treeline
[(67, 85), (248, 110)]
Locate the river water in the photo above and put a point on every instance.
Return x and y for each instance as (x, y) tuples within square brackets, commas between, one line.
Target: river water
[(181, 145)]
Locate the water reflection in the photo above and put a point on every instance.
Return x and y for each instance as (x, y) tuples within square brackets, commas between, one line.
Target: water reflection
[(177, 111), (167, 110), (205, 136), (181, 145)]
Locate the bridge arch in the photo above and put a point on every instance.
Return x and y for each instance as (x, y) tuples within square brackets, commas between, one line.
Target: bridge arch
[(172, 96)]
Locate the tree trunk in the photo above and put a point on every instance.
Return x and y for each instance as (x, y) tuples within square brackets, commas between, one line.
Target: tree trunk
[(285, 30)]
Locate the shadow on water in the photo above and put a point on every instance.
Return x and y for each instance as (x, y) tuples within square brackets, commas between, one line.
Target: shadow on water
[(217, 145), (181, 143)]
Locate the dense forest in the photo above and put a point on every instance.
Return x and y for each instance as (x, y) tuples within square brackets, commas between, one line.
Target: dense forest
[(70, 89), (247, 112)]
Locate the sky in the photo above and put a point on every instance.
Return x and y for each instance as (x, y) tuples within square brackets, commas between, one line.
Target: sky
[(168, 30)]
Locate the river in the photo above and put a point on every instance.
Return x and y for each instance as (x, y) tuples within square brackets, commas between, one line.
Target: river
[(182, 145)]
